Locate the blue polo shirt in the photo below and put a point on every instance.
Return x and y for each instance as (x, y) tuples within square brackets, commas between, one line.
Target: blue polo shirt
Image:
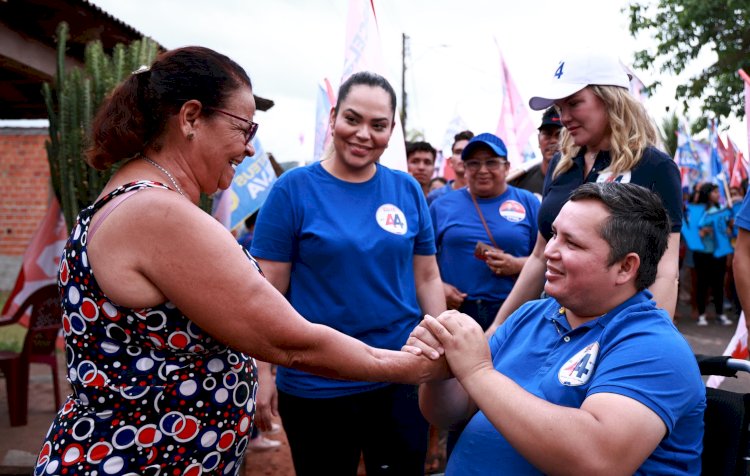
[(351, 247), (742, 220), (655, 171), (633, 350)]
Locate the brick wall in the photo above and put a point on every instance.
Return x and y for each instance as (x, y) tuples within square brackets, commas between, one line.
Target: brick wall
[(24, 186)]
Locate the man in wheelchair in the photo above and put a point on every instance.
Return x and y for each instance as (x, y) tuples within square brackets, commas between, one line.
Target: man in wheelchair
[(594, 379)]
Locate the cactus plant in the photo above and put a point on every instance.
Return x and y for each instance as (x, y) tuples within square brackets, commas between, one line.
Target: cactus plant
[(72, 101)]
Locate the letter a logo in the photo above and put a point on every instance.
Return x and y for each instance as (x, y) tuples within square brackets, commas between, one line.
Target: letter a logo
[(391, 219)]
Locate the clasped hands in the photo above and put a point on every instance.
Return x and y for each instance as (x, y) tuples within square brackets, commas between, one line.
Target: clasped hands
[(453, 334), (502, 263)]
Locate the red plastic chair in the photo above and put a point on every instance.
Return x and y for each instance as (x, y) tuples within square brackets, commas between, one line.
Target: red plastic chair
[(38, 347)]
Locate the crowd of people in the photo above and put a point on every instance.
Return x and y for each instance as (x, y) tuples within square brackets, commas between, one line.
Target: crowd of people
[(366, 305)]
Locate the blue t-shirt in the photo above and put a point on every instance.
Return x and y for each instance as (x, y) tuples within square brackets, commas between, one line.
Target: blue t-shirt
[(512, 219), (352, 247), (742, 220), (655, 171), (633, 350), (435, 194)]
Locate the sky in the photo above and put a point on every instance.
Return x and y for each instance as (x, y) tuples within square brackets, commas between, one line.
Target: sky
[(452, 67)]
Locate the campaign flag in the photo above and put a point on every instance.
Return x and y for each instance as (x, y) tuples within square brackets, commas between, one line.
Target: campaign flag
[(719, 174), (727, 154), (737, 349), (515, 127), (250, 187), (746, 80), (41, 260), (456, 125), (637, 88), (363, 53), (691, 157), (440, 161), (326, 100), (739, 171)]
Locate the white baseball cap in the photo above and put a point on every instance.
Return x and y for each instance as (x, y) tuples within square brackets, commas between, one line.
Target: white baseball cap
[(577, 71)]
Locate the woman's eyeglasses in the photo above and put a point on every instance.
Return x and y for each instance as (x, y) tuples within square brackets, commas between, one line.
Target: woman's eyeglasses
[(251, 130), (491, 164)]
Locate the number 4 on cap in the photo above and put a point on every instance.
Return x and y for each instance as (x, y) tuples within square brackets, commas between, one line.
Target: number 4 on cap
[(559, 71)]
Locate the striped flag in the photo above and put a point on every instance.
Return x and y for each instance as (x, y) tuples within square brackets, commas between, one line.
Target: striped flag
[(363, 53)]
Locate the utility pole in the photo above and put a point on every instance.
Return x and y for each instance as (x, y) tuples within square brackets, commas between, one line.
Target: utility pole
[(404, 54)]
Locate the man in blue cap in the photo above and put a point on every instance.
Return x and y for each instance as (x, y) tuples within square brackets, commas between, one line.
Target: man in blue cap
[(549, 143)]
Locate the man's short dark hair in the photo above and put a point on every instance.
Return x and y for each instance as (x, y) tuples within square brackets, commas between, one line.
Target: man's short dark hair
[(463, 135), (638, 223), (420, 146)]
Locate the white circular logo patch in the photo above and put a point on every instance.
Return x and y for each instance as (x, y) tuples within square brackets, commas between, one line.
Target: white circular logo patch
[(607, 177), (578, 370), (391, 219), (512, 211)]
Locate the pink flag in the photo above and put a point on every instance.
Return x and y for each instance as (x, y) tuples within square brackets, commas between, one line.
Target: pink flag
[(739, 171), (41, 259), (746, 79), (364, 53), (326, 100), (515, 127), (637, 88), (737, 349), (727, 153)]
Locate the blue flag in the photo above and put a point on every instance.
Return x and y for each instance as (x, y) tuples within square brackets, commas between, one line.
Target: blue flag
[(250, 187)]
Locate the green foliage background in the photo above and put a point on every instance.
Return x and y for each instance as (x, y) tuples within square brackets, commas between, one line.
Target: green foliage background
[(682, 28)]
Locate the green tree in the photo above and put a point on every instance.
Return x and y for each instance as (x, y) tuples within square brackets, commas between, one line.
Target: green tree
[(682, 29), (669, 125)]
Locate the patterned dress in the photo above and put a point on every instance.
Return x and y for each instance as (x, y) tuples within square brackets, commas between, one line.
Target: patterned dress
[(152, 392)]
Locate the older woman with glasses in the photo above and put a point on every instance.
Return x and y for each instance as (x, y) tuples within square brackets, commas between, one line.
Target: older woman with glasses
[(160, 339), (483, 232)]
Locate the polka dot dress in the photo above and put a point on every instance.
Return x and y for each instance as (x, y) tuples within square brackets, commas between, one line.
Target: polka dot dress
[(153, 394)]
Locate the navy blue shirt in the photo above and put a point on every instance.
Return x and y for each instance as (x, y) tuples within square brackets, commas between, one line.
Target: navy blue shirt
[(655, 171)]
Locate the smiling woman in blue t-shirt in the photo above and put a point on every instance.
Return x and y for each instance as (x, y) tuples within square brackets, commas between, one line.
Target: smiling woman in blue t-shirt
[(350, 244)]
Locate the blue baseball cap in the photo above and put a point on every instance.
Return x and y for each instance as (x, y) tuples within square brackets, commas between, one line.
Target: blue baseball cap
[(490, 140)]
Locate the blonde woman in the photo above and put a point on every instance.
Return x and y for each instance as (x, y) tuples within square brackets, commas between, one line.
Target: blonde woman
[(607, 137)]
